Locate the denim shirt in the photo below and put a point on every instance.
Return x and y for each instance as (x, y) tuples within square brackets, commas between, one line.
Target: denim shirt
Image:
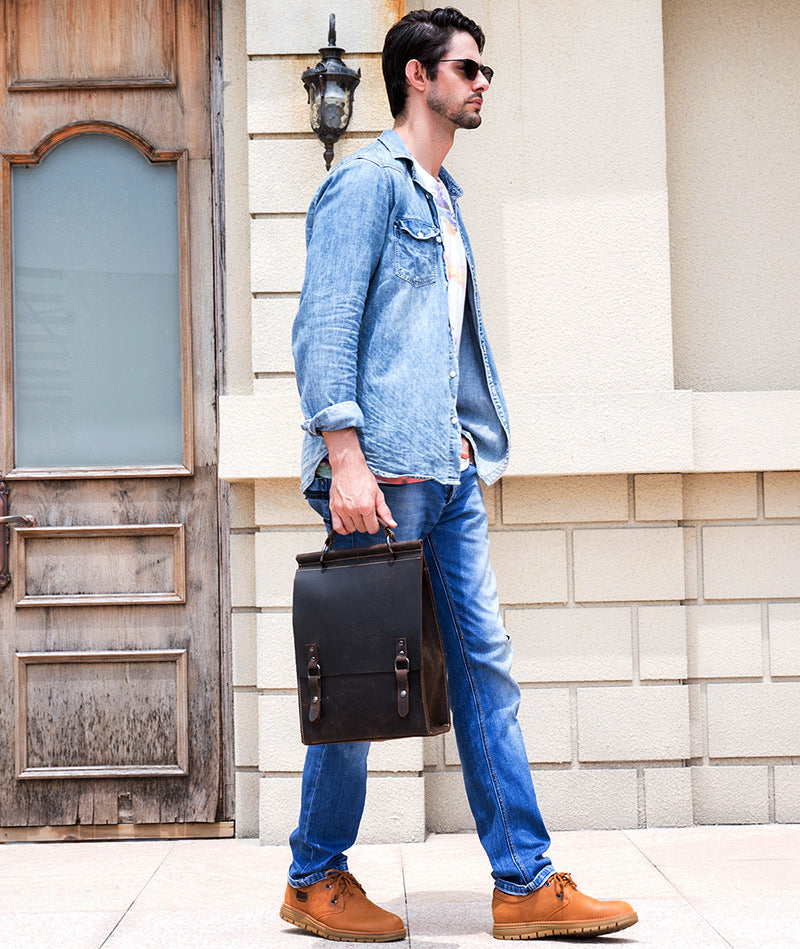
[(372, 342)]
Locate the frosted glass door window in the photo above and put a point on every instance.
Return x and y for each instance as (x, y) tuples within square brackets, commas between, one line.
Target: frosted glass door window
[(97, 323)]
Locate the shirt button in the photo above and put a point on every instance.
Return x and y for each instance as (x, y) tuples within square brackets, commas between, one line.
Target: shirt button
[(438, 239), (452, 373), (419, 233), (454, 420)]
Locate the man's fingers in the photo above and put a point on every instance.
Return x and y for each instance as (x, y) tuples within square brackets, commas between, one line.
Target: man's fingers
[(344, 519), (365, 522), (359, 512), (371, 525), (382, 509)]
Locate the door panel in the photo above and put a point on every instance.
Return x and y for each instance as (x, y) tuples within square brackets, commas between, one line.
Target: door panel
[(54, 45), (31, 631), (100, 566), (110, 709), (120, 714), (34, 109)]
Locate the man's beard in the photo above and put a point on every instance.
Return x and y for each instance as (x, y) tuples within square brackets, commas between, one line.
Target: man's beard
[(461, 118)]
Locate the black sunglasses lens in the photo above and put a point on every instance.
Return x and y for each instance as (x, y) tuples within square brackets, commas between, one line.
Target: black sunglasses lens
[(471, 70)]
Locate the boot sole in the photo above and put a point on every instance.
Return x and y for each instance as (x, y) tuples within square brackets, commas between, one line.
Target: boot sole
[(304, 921), (575, 928)]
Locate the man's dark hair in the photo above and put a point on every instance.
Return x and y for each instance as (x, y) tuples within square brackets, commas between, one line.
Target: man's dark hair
[(424, 35)]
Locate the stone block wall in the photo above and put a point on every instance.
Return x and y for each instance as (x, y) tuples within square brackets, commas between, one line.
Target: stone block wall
[(655, 621), (657, 646)]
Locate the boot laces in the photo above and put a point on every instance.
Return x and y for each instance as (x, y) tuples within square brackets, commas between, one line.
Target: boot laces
[(561, 881), (344, 882)]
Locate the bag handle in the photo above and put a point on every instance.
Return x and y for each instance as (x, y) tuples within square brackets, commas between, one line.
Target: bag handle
[(390, 538)]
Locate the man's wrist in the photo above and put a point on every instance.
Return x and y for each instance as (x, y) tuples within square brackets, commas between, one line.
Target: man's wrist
[(344, 450)]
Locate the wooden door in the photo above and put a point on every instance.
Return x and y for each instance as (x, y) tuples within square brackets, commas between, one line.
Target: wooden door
[(110, 669)]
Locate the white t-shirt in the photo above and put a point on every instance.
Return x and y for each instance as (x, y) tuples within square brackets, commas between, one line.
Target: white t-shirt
[(454, 254)]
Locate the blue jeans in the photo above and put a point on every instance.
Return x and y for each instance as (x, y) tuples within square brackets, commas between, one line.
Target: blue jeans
[(484, 698)]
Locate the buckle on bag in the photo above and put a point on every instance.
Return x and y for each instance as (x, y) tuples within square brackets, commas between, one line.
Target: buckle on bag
[(314, 682), (401, 666)]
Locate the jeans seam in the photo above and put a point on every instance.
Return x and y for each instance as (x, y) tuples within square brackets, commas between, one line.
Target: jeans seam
[(307, 810), (311, 797), (480, 717)]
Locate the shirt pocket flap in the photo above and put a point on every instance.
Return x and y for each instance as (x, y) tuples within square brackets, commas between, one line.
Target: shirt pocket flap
[(416, 228)]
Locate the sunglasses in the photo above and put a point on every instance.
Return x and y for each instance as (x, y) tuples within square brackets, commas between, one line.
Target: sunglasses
[(471, 68)]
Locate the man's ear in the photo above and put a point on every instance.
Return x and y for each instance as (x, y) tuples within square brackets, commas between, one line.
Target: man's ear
[(416, 74)]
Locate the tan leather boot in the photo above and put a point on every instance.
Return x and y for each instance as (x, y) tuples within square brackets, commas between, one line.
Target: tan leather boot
[(337, 908), (557, 909)]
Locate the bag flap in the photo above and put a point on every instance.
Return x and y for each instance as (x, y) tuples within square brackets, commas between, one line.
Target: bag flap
[(360, 553), (356, 607)]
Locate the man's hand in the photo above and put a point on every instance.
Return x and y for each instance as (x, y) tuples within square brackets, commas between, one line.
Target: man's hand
[(356, 501)]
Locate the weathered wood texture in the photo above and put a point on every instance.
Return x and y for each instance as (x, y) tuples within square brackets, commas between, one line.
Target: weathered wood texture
[(100, 566), (217, 208), (116, 832), (55, 44), (108, 719), (120, 714), (167, 117), (193, 627)]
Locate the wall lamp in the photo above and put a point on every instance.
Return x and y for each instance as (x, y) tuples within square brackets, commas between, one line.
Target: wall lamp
[(330, 86)]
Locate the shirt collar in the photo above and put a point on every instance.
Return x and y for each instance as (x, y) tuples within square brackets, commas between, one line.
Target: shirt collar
[(397, 149)]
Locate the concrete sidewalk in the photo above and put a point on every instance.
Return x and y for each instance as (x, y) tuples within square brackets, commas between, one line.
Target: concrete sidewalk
[(692, 887)]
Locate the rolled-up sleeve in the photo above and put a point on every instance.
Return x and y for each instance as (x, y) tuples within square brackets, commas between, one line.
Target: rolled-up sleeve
[(334, 417), (345, 236)]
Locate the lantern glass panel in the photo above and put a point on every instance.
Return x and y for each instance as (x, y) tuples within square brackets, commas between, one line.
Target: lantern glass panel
[(336, 108), (315, 100)]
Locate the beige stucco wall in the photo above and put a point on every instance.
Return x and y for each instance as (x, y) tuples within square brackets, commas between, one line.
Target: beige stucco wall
[(652, 601), (733, 117)]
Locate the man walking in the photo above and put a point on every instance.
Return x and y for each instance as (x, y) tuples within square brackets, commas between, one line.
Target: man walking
[(403, 414)]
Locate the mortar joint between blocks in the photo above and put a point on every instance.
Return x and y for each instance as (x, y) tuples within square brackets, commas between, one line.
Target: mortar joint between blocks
[(641, 802), (636, 671), (570, 542), (631, 501), (771, 793), (573, 726), (699, 566)]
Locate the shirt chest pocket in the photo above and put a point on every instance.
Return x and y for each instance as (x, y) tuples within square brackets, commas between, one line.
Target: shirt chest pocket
[(416, 251)]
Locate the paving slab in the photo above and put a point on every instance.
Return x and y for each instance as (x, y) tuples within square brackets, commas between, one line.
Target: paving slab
[(715, 887), (59, 930)]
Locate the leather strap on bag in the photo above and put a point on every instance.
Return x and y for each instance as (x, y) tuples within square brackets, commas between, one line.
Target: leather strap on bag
[(401, 666), (314, 682)]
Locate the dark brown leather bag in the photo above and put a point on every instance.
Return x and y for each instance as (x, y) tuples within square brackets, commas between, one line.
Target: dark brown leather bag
[(370, 663)]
